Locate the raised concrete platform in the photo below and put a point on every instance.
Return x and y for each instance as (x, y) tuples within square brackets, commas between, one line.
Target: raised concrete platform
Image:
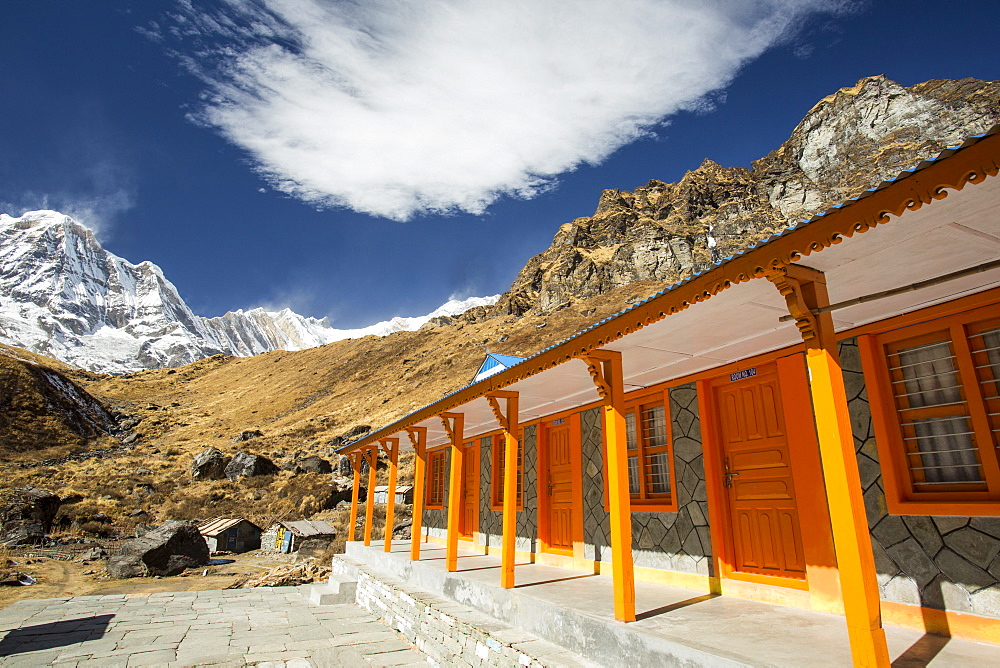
[(574, 609), (336, 590)]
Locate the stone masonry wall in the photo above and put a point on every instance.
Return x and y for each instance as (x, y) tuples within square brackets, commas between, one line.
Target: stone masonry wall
[(491, 521), (451, 634), (435, 522), (678, 541), (946, 563)]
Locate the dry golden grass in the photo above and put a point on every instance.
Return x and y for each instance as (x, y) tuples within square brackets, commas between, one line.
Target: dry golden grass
[(301, 401)]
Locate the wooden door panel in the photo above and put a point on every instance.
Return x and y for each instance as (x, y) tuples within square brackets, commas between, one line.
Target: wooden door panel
[(470, 491), (766, 534), (763, 490), (560, 488)]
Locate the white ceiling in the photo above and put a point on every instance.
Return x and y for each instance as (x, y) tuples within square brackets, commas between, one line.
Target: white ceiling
[(960, 231)]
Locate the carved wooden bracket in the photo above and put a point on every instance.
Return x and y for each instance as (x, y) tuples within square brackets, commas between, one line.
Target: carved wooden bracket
[(801, 287), (492, 398), (596, 368), (446, 420), (414, 434), (497, 413)]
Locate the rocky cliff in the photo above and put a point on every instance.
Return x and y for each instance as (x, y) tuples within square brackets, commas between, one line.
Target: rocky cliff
[(848, 142)]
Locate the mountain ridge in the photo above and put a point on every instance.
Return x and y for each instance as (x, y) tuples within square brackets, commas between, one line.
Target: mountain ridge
[(848, 142), (65, 296)]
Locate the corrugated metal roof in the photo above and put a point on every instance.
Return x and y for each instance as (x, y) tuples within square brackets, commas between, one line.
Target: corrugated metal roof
[(219, 524), (495, 363), (306, 528), (674, 286)]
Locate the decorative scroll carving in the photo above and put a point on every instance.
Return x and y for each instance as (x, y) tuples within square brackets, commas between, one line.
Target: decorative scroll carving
[(449, 429), (411, 432), (498, 414), (791, 289), (596, 369)]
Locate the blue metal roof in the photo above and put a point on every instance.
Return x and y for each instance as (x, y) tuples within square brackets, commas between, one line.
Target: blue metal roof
[(495, 363)]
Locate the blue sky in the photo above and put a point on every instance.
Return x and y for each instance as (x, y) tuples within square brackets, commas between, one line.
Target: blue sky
[(361, 160)]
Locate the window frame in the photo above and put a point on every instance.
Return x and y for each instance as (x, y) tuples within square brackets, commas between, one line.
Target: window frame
[(959, 330), (644, 502), (496, 482), (433, 484)]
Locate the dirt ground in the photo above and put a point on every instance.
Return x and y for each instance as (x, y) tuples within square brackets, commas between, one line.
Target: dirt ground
[(57, 578)]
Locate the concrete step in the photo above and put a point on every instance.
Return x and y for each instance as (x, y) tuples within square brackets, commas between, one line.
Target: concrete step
[(336, 590)]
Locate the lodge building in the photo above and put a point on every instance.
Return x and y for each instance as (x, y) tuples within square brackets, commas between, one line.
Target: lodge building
[(814, 422)]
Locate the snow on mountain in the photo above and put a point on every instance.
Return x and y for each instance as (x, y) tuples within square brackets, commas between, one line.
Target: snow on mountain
[(63, 295)]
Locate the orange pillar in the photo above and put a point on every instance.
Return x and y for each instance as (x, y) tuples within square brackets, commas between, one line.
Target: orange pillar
[(455, 426), (509, 530), (509, 427), (370, 503), (804, 290), (390, 510), (418, 438), (606, 368), (356, 467)]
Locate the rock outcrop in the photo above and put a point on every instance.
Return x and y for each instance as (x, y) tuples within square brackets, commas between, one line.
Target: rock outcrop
[(246, 465), (167, 550), (209, 465), (27, 515), (848, 142)]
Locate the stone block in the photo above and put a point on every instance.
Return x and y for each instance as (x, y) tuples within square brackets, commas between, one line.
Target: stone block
[(974, 546), (686, 449), (901, 589), (884, 565), (969, 576), (683, 421), (947, 524), (891, 530), (875, 507), (869, 470), (988, 525), (986, 601), (925, 531), (913, 561)]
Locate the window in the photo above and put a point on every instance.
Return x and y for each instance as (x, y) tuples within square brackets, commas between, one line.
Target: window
[(499, 466), (937, 413), (650, 455), (437, 470)]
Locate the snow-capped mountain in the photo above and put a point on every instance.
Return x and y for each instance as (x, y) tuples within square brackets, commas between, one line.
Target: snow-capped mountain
[(63, 295)]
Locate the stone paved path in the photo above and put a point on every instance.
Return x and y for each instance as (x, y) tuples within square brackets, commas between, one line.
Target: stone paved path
[(268, 626)]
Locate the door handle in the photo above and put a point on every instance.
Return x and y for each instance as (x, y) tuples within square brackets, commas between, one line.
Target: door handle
[(729, 475)]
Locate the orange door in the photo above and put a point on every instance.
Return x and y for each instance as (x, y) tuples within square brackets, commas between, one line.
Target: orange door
[(757, 473), (559, 488), (470, 491)]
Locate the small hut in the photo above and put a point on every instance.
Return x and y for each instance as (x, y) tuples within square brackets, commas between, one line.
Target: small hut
[(230, 534), (404, 494), (286, 536)]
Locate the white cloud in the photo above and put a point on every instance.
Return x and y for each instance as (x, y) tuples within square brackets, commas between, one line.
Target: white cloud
[(395, 108), (97, 212)]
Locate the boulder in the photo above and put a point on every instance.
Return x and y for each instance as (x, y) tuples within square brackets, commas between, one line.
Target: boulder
[(342, 466), (167, 550), (314, 464), (245, 465), (209, 465), (93, 554), (247, 434), (27, 516)]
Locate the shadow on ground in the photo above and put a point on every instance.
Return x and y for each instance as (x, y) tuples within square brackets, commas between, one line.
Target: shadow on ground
[(53, 634)]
